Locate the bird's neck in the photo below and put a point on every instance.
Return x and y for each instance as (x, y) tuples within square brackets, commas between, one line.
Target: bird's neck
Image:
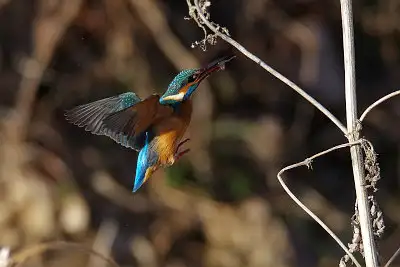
[(184, 109)]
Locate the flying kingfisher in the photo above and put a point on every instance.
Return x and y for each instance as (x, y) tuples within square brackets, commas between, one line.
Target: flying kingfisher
[(153, 126)]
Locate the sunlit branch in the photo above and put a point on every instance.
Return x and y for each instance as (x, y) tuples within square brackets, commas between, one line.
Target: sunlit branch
[(307, 162), (265, 66), (378, 102)]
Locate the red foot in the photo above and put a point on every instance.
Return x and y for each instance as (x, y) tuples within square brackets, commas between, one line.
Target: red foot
[(181, 143), (180, 154)]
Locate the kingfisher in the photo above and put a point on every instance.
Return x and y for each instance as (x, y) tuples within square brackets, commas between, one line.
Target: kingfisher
[(154, 126)]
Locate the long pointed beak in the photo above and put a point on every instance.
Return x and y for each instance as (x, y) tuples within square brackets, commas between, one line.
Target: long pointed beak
[(214, 66)]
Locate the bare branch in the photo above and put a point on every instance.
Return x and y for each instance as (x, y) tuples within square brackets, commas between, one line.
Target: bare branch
[(353, 128), (307, 162), (210, 38), (378, 102), (393, 258), (204, 20)]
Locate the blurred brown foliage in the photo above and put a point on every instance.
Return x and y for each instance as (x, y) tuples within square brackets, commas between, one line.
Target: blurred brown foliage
[(221, 205)]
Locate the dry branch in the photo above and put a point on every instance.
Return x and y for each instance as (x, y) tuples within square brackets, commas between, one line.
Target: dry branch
[(200, 15), (397, 253), (307, 162), (200, 12), (363, 207), (378, 102)]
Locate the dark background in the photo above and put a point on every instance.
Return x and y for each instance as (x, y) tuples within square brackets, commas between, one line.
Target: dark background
[(221, 205)]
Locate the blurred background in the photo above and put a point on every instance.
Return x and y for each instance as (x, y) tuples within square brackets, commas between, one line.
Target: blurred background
[(221, 205)]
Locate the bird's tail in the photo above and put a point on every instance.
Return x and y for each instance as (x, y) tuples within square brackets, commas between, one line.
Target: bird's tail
[(146, 165)]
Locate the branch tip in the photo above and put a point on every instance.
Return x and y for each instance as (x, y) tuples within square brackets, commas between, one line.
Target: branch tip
[(208, 37)]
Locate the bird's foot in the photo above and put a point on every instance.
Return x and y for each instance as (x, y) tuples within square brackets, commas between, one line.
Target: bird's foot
[(181, 143), (179, 154)]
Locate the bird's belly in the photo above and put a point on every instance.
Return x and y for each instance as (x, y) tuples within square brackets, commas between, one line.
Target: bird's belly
[(168, 133), (166, 146)]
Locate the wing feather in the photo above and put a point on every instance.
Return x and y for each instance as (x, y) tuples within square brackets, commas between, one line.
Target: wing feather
[(91, 116), (124, 118), (138, 118)]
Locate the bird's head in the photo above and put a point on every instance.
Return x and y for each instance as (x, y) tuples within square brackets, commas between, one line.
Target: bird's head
[(185, 83)]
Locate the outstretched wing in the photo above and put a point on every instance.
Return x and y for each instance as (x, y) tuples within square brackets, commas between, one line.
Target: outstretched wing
[(91, 116), (123, 118), (137, 119)]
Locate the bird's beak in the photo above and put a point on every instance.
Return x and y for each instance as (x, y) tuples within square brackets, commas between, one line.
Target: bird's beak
[(214, 66), (200, 75)]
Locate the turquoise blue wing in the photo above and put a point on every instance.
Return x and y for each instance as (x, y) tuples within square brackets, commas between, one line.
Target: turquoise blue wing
[(92, 115)]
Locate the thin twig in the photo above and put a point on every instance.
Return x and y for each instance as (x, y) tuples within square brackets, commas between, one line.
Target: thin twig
[(268, 68), (393, 258), (20, 257), (378, 102), (307, 162), (370, 254)]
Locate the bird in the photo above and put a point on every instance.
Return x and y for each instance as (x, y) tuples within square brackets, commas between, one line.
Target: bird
[(153, 126)]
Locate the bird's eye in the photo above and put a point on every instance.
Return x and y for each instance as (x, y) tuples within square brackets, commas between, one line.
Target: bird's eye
[(192, 78)]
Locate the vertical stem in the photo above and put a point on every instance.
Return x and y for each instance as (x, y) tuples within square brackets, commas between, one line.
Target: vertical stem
[(370, 254)]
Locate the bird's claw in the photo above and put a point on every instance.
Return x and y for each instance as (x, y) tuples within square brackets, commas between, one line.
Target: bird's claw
[(181, 143), (178, 154)]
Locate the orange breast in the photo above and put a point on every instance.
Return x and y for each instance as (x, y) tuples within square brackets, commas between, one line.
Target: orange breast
[(170, 131)]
